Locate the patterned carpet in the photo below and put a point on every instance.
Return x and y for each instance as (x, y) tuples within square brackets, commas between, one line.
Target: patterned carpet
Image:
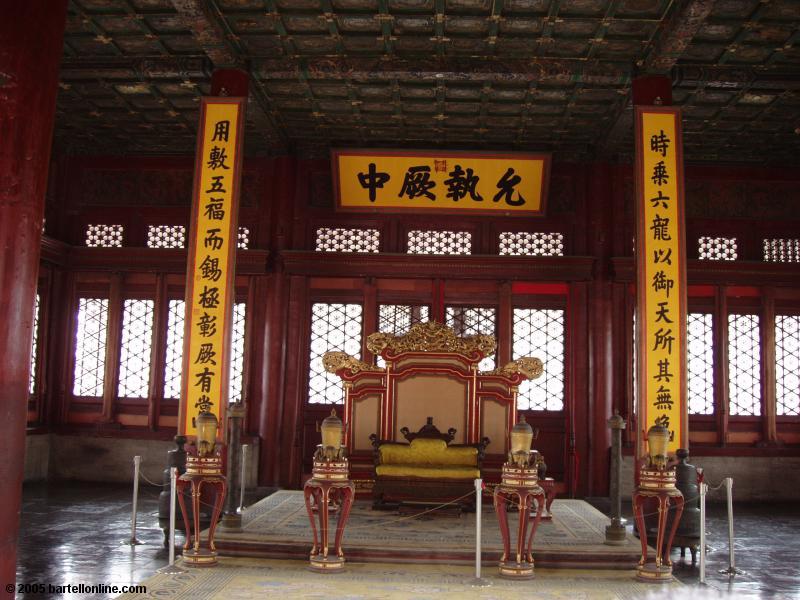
[(278, 527), (244, 578)]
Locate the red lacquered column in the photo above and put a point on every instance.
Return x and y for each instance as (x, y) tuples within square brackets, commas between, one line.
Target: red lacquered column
[(31, 38)]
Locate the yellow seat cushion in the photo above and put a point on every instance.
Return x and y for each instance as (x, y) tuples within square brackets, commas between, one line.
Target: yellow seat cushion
[(426, 452), (428, 472)]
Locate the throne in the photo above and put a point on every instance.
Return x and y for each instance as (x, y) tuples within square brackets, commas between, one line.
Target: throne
[(431, 375)]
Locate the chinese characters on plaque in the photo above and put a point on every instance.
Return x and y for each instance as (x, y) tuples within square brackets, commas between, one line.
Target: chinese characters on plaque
[(211, 262), (660, 273), (489, 183)]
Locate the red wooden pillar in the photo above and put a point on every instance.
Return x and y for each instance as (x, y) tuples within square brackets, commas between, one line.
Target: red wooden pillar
[(31, 37)]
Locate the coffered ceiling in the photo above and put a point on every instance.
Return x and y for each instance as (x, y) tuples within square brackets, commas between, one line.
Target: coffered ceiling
[(548, 75)]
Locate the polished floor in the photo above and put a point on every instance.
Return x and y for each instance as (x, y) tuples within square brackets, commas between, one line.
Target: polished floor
[(75, 533)]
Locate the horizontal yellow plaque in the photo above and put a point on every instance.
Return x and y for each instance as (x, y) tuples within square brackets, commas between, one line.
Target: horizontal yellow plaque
[(474, 182)]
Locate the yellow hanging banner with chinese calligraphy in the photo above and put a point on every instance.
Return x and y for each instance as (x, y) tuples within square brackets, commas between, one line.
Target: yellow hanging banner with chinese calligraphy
[(395, 181), (660, 275), (211, 263)]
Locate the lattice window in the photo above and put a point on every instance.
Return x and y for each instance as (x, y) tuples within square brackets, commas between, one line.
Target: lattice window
[(439, 242), (104, 236), (236, 385), (700, 363), (397, 319), (173, 365), (473, 320), (333, 327), (347, 240), (243, 240), (540, 333), (34, 345), (787, 364), (782, 250), (90, 347), (166, 236), (717, 248), (137, 339), (744, 365), (531, 244)]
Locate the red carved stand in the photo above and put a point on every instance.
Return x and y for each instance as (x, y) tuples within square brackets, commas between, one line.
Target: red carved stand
[(520, 483), (660, 485), (329, 484), (201, 471)]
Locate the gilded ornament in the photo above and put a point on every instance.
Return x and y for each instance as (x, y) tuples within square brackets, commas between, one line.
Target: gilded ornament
[(431, 337), (336, 361), (528, 366)]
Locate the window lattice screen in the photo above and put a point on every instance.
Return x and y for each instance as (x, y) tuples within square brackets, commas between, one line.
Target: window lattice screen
[(744, 365), (474, 320), (137, 339), (347, 240), (243, 239), (166, 236), (531, 244), (787, 364), (34, 346), (174, 355), (236, 381), (717, 248), (439, 242), (782, 250), (90, 347), (700, 363), (333, 327), (540, 333), (104, 236), (397, 319)]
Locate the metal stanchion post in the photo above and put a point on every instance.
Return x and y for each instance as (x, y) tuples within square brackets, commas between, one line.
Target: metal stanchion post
[(703, 492), (137, 461), (478, 581), (245, 449), (172, 568), (731, 570)]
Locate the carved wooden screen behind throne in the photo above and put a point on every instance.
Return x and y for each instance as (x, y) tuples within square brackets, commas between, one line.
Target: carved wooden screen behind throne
[(430, 372)]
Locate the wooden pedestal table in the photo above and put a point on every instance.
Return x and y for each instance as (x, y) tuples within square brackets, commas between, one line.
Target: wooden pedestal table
[(330, 484), (201, 471), (519, 485), (660, 485)]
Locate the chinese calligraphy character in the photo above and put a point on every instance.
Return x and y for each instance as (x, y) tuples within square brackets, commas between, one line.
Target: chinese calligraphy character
[(204, 403), (664, 340), (216, 185), (209, 297), (659, 143), (210, 269), (204, 379), (417, 183), (462, 183), (662, 283), (221, 129), (661, 313), (216, 159), (207, 325), (660, 199), (440, 166), (660, 176), (506, 186), (660, 228), (664, 399), (212, 239), (662, 256), (206, 355), (214, 210), (372, 180), (663, 371)]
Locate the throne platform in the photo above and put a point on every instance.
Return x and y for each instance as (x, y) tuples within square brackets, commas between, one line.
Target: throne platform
[(277, 527)]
